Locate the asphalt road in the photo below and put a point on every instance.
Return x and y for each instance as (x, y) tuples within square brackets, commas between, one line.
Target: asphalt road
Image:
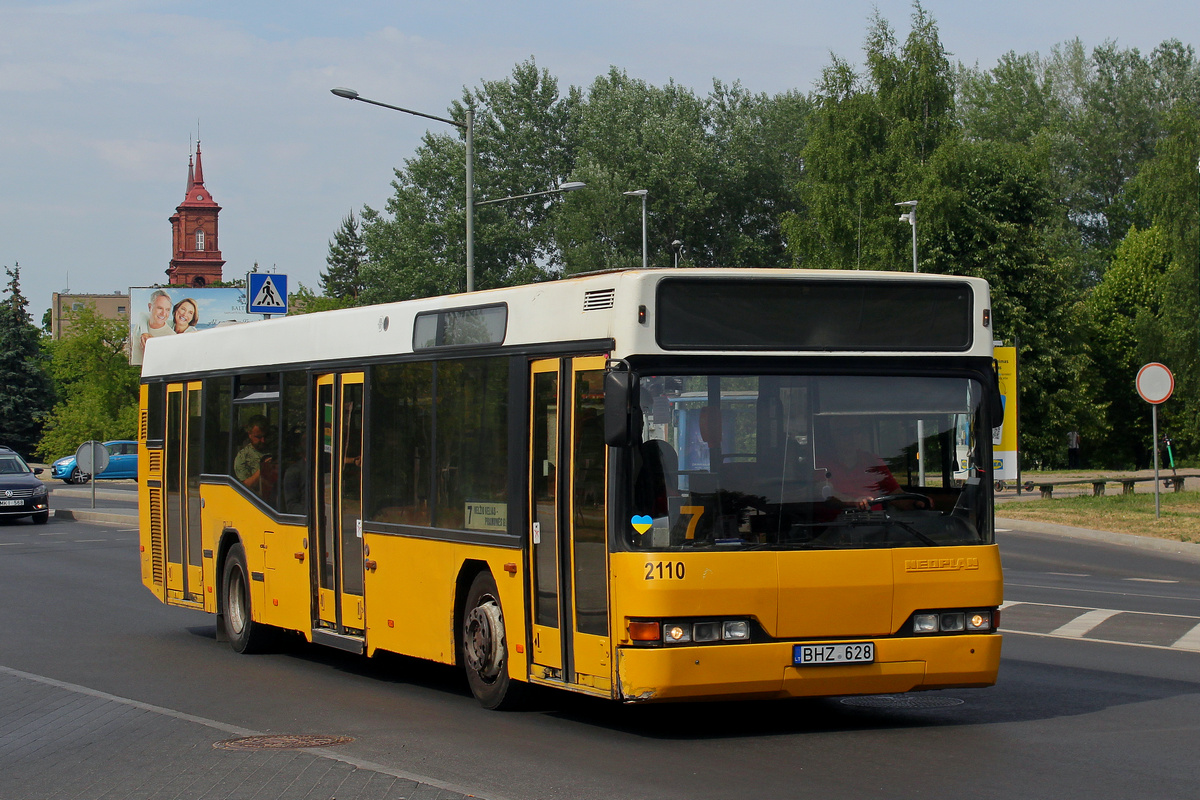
[(1082, 710)]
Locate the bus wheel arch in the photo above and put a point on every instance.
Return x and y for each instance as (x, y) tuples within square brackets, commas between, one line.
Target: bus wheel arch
[(482, 639)]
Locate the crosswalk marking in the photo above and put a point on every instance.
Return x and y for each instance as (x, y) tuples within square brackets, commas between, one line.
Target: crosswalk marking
[(1088, 619), (1084, 623), (1189, 641)]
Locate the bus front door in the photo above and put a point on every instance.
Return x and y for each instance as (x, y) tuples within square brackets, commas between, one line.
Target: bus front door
[(338, 507), (568, 552), (181, 479)]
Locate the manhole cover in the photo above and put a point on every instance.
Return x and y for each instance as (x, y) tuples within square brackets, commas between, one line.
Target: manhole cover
[(282, 741), (903, 701)]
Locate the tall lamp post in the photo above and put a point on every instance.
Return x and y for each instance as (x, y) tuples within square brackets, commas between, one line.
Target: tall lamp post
[(642, 194), (469, 127), (911, 219)]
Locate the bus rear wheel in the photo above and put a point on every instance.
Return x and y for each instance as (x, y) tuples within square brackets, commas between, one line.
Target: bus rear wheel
[(485, 647), (245, 635)]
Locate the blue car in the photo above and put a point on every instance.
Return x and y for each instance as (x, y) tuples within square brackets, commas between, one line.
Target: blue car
[(122, 463)]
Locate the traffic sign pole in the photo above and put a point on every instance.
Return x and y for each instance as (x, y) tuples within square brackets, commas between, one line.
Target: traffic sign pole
[(1154, 429), (1155, 383)]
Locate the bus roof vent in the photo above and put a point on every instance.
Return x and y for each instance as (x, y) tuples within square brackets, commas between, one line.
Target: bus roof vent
[(598, 299)]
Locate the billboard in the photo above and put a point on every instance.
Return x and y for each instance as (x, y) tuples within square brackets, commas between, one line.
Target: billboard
[(1004, 438), (175, 310)]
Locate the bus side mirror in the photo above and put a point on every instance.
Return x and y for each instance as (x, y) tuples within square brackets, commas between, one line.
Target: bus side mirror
[(619, 421), (995, 397)]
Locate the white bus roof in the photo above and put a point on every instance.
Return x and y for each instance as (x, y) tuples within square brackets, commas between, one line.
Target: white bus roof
[(589, 308)]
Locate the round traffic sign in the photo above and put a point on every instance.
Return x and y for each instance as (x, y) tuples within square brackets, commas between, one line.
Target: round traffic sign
[(1155, 383), (91, 457)]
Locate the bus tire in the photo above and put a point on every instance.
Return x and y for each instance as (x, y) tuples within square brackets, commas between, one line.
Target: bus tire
[(245, 635), (485, 647)]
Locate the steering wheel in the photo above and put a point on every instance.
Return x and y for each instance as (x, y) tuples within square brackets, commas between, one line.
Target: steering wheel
[(919, 501)]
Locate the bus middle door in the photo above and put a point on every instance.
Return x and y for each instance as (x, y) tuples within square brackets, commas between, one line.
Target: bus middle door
[(568, 552), (338, 513)]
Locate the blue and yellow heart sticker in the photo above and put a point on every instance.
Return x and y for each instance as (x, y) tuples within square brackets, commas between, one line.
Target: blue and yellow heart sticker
[(641, 522)]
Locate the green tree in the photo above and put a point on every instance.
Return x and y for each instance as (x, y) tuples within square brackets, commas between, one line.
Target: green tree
[(25, 389), (636, 136), (98, 386), (415, 246), (870, 138), (1121, 312), (989, 211), (305, 301), (347, 254), (1167, 191)]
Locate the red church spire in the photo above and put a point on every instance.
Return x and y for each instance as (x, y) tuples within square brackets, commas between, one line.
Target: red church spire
[(196, 257)]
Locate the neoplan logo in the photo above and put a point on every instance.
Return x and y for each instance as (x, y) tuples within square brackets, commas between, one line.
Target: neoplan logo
[(940, 564)]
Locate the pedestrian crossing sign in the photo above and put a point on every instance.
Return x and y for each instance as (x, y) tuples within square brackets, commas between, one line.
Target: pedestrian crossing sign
[(266, 293)]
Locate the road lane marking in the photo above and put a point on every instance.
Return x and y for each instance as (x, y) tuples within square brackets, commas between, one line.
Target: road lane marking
[(1070, 574), (85, 541), (1095, 591), (1149, 580), (1084, 623)]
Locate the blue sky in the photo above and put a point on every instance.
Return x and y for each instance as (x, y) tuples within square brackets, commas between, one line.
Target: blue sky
[(99, 100)]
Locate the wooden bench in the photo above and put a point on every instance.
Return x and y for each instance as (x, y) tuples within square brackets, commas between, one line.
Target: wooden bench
[(1127, 484)]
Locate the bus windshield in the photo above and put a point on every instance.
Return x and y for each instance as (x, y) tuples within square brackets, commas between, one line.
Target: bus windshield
[(808, 462)]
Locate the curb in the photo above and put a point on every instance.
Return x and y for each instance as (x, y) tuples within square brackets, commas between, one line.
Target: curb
[(1188, 551), (88, 515)]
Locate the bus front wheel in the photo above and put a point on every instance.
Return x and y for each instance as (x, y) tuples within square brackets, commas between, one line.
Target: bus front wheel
[(245, 635), (485, 647)]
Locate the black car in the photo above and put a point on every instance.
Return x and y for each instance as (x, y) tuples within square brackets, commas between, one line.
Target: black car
[(22, 493)]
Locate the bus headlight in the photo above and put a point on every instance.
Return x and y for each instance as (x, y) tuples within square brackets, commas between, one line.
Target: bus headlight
[(979, 621), (676, 633), (736, 631), (925, 623), (953, 622)]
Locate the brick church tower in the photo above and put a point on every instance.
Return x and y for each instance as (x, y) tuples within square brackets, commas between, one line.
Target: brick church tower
[(195, 252)]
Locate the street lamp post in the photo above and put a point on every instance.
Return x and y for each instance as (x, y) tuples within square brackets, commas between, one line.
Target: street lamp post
[(642, 194), (469, 128), (911, 219)]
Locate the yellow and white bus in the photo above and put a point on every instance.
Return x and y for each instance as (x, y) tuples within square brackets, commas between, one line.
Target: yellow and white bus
[(641, 485)]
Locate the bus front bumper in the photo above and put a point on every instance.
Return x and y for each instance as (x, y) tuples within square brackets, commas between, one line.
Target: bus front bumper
[(745, 671)]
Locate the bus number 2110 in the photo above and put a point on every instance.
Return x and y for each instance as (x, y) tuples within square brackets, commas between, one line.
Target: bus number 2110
[(664, 570)]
